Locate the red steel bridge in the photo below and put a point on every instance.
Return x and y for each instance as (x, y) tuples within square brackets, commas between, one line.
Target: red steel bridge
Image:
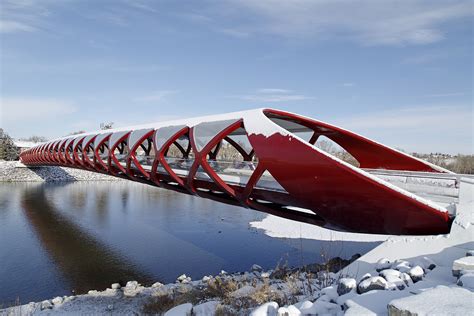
[(274, 162)]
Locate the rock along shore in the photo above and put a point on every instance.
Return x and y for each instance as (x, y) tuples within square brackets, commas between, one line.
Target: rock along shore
[(15, 171)]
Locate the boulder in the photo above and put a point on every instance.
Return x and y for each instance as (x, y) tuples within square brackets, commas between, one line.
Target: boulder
[(115, 286), (269, 309), (467, 281), (181, 278), (57, 300), (441, 300), (463, 265), (256, 268), (395, 282), (345, 285), (288, 311), (416, 274), (401, 265), (382, 264), (180, 310), (391, 272), (372, 283), (470, 253), (46, 305)]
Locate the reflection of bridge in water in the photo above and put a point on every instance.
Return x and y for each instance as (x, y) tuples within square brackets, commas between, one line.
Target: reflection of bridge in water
[(268, 160), (84, 261)]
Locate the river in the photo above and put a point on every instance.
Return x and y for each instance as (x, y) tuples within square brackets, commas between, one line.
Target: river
[(63, 238)]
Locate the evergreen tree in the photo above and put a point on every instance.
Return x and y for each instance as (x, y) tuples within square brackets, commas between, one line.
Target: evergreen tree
[(8, 150)]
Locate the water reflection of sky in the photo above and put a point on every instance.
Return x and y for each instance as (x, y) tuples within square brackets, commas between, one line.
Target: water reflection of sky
[(86, 235)]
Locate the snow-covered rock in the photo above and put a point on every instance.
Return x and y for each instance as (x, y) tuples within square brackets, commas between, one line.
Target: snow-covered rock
[(156, 285), (132, 288), (288, 311), (441, 300), (181, 278), (416, 273), (115, 286), (57, 300), (395, 282), (372, 283), (382, 264), (265, 275), (180, 310), (390, 272), (346, 285), (205, 309), (46, 304), (401, 265), (256, 268), (467, 281), (267, 309), (469, 253), (463, 265)]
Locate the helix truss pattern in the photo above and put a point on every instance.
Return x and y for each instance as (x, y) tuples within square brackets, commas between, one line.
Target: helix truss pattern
[(263, 159)]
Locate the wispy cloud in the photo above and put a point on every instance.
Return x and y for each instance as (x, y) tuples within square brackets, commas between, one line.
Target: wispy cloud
[(22, 16), (273, 95), (368, 22), (273, 90), (155, 96), (21, 109), (348, 84), (14, 26)]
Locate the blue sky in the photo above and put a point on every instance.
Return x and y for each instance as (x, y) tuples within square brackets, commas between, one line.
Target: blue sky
[(400, 72)]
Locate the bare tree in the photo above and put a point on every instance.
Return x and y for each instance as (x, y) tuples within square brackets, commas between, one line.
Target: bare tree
[(35, 139), (106, 125)]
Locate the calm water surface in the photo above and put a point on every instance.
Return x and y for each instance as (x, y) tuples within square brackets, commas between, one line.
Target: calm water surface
[(59, 238)]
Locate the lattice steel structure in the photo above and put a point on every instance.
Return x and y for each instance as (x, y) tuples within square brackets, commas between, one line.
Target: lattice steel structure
[(263, 159)]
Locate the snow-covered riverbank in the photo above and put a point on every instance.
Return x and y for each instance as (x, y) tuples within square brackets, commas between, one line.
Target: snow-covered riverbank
[(14, 171), (403, 276)]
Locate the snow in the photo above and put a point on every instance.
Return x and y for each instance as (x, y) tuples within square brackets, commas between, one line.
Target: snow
[(180, 310), (463, 265), (382, 264), (282, 228), (267, 309), (416, 273), (373, 283), (205, 309), (441, 300), (467, 281)]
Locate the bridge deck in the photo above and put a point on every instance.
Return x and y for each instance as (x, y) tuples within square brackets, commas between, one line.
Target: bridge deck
[(440, 188)]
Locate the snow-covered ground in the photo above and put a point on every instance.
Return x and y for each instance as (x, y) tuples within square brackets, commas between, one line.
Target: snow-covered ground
[(403, 276), (15, 171)]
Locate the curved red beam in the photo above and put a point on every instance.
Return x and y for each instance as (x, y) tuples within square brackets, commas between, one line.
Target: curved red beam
[(283, 173)]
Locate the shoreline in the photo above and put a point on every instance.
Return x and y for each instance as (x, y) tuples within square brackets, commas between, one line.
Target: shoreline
[(15, 171), (404, 275)]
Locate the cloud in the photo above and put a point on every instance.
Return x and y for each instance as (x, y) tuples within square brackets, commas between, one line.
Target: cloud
[(271, 90), (273, 95), (348, 84), (13, 26), (22, 16), (30, 109), (155, 96), (369, 22)]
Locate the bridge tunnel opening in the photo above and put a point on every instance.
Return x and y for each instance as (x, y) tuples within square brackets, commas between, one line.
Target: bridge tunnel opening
[(322, 137), (142, 154), (119, 151)]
